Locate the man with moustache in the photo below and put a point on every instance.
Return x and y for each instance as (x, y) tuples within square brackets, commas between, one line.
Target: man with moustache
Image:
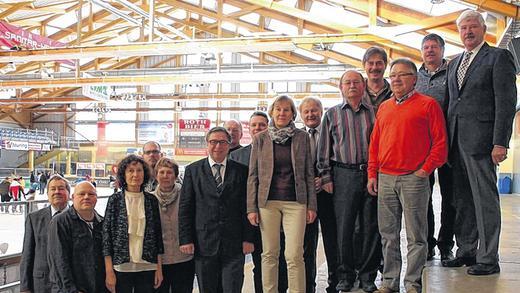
[(342, 165), (257, 123), (151, 155), (34, 268), (234, 128), (407, 144), (378, 89), (481, 106), (311, 111), (74, 252), (431, 81)]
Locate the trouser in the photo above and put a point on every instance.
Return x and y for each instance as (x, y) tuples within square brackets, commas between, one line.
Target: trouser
[(257, 262), (408, 195), (351, 202), (310, 245), (327, 218), (223, 272), (178, 278), (477, 221), (292, 216), (137, 282), (445, 237)]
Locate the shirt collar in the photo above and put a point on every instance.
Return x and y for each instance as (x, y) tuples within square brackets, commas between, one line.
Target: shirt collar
[(443, 66), (363, 104), (382, 90), (55, 210), (317, 128), (476, 49), (404, 98), (212, 162)]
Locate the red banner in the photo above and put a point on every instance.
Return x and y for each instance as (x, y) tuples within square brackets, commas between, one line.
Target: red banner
[(13, 36)]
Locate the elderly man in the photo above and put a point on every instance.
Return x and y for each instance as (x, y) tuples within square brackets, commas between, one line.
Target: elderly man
[(74, 251), (377, 88), (342, 163), (34, 269), (234, 128), (212, 217), (151, 155), (311, 112), (431, 81), (482, 98), (407, 144)]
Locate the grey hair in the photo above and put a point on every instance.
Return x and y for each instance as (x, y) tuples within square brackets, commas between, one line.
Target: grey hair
[(219, 129), (311, 99), (407, 62), (471, 14)]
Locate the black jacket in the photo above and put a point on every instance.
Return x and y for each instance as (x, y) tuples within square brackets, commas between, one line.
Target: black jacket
[(115, 229), (211, 220), (74, 254)]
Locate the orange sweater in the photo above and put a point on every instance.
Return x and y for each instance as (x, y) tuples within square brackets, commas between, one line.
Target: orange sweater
[(408, 137)]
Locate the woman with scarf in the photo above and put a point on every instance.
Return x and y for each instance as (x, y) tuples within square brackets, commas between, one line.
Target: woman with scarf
[(178, 268), (132, 234), (280, 192)]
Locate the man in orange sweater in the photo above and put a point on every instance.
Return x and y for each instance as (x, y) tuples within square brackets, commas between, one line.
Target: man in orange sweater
[(407, 144)]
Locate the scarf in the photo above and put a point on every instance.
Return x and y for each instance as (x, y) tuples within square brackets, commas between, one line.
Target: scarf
[(166, 198), (281, 135)]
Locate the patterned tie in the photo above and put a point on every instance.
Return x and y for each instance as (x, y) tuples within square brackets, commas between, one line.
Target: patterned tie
[(218, 177), (463, 68), (312, 132)]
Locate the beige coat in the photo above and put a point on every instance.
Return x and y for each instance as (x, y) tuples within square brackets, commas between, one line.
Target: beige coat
[(261, 170)]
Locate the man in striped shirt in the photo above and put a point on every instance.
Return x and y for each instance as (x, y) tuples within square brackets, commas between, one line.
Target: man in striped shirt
[(342, 164)]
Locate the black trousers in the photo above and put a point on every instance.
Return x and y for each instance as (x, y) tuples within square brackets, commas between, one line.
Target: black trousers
[(178, 278), (444, 240), (351, 200), (223, 272), (138, 282), (257, 262), (327, 222)]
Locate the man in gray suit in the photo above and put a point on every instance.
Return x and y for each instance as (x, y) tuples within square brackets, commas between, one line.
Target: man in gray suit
[(257, 123), (34, 269), (481, 107)]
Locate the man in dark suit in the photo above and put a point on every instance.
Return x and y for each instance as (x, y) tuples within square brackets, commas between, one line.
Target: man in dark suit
[(212, 217), (482, 99), (34, 269)]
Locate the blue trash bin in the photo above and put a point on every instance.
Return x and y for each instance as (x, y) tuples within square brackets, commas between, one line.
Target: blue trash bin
[(504, 185)]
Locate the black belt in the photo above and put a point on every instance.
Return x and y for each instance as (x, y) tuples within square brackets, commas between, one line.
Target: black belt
[(360, 167)]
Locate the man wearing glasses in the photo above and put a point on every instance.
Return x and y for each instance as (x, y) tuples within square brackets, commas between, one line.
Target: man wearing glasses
[(151, 155), (212, 217), (407, 144)]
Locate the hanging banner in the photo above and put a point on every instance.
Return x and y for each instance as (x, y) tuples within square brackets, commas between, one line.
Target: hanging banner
[(13, 36)]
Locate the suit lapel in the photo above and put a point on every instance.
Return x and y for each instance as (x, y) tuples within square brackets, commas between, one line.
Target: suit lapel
[(295, 149), (228, 174), (482, 53), (206, 170), (452, 78)]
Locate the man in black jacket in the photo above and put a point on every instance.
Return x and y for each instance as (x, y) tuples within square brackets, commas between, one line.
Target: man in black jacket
[(74, 252), (212, 217)]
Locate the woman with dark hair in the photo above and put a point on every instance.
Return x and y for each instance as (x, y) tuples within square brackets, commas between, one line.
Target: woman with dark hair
[(280, 192), (178, 267), (132, 235)]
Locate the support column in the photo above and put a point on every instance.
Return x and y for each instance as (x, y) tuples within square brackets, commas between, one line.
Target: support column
[(30, 160), (58, 161), (69, 163)]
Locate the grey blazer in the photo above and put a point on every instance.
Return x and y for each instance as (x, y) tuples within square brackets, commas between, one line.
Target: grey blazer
[(261, 170), (484, 108), (34, 269)]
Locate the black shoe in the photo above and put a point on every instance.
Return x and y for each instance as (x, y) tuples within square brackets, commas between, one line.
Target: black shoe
[(481, 269), (431, 254), (367, 286), (459, 261), (447, 255), (344, 286)]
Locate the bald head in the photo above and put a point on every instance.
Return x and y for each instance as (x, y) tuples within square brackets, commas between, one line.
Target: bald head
[(84, 199), (235, 129)]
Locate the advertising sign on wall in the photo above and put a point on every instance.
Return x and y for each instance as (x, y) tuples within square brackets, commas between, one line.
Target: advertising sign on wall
[(192, 139)]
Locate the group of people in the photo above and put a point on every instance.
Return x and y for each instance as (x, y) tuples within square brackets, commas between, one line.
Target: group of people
[(355, 170)]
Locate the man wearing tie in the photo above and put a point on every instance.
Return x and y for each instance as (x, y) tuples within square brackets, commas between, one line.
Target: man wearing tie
[(34, 268), (342, 165), (212, 217), (481, 107), (311, 111)]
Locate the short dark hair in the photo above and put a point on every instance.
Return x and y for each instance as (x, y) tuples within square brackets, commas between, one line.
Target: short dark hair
[(259, 113), (218, 129), (123, 165), (168, 163), (433, 37), (375, 50), (405, 61), (59, 178)]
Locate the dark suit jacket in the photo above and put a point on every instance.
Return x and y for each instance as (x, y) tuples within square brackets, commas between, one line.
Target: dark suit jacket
[(484, 108), (241, 155), (211, 220), (34, 270)]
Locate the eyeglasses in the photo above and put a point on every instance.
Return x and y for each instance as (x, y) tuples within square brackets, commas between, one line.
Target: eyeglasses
[(152, 152), (215, 142), (400, 75), (351, 82)]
